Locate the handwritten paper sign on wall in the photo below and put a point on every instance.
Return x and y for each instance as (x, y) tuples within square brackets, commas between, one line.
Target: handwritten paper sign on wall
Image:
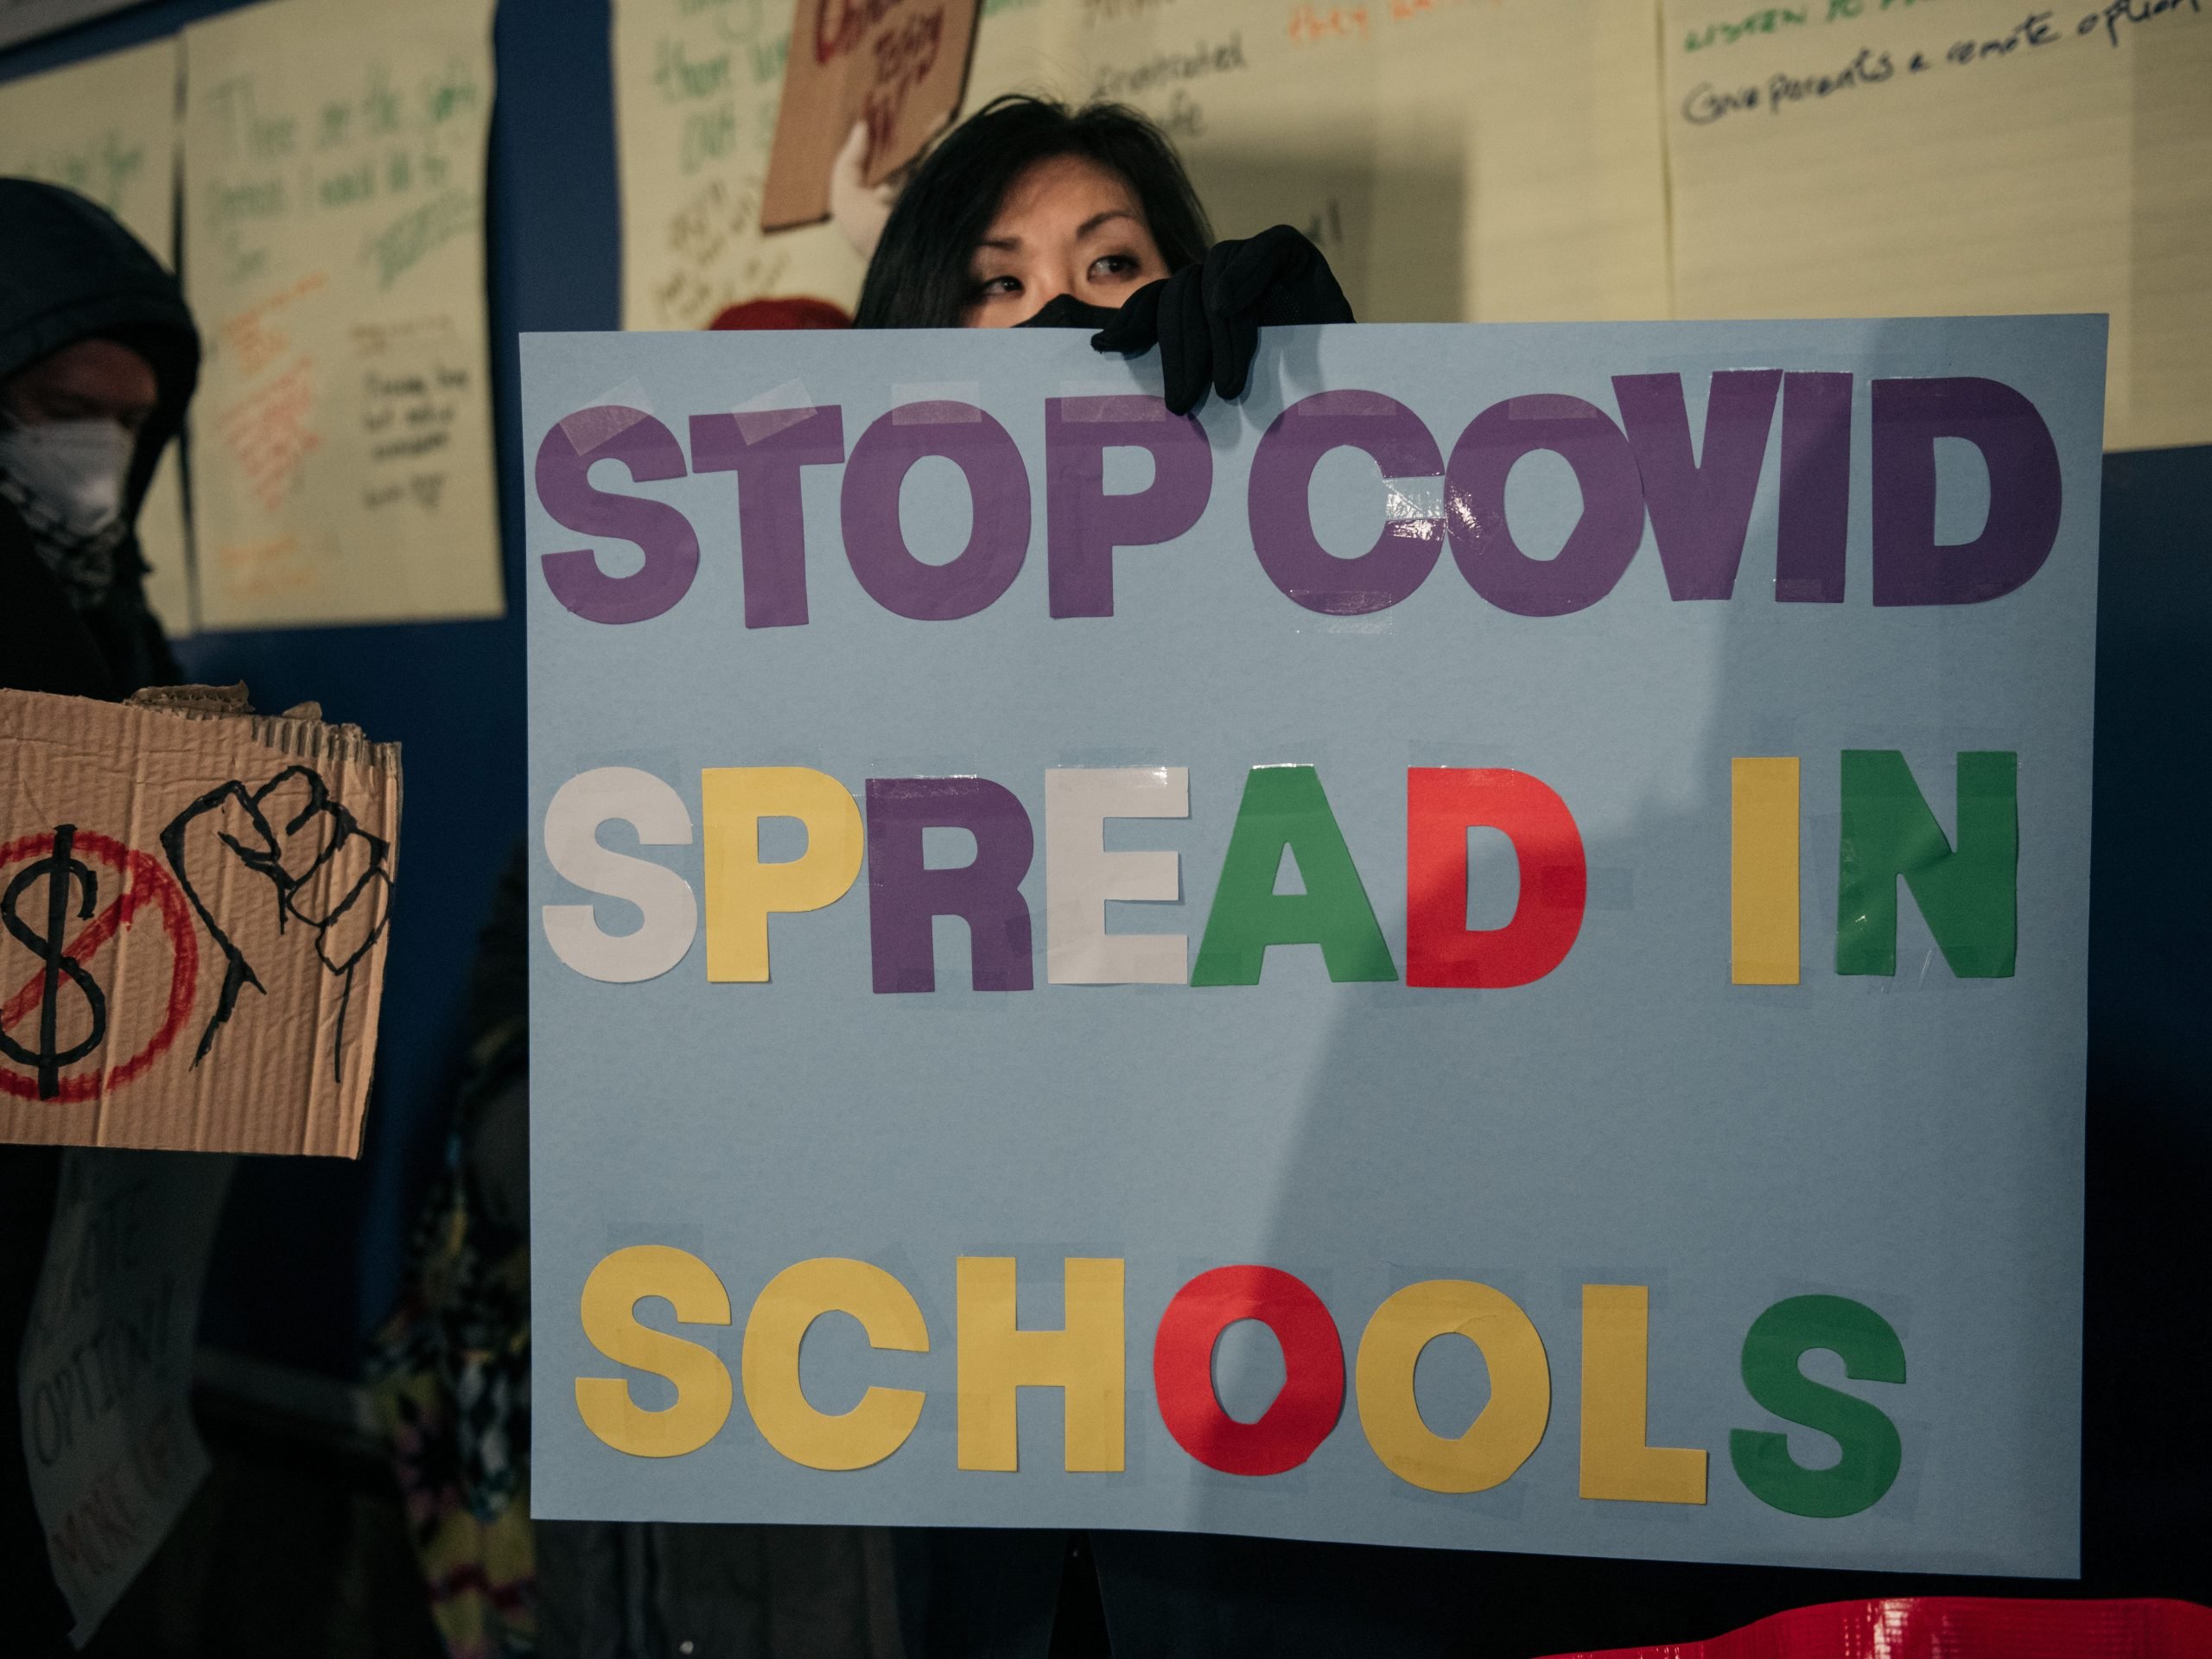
[(107, 129), (1494, 162), (1488, 163), (1857, 160), (696, 90), (334, 255)]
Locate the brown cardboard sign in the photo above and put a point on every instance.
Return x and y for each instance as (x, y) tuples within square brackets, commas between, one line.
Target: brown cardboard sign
[(900, 66), (192, 911)]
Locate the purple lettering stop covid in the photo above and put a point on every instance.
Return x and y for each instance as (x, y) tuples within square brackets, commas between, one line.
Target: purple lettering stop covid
[(1694, 482)]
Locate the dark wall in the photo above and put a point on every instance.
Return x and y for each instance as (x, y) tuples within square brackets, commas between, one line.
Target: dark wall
[(2147, 1443), (310, 1251)]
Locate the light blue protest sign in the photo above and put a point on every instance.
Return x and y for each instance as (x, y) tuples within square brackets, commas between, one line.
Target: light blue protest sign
[(1485, 948)]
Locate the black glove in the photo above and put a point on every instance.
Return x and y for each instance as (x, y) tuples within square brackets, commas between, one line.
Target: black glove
[(1206, 318)]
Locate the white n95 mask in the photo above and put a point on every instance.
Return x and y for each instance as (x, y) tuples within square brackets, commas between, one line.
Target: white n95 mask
[(72, 472)]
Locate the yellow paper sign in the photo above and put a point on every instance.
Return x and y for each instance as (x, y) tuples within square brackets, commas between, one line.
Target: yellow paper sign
[(1860, 159), (1488, 161), (335, 257)]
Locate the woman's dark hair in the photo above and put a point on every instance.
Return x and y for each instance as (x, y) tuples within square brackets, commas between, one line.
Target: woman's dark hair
[(921, 276)]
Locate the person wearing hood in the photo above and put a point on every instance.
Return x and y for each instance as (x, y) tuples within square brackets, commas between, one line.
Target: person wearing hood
[(98, 359)]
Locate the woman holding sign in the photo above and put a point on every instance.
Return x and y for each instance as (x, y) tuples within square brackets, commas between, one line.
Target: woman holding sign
[(1030, 215)]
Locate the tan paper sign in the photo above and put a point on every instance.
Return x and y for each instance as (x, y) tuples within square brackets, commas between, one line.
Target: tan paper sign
[(1979, 157), (1491, 162), (696, 96), (193, 908), (900, 66), (333, 255)]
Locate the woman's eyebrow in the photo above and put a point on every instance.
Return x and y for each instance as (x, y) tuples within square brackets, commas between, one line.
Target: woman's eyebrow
[(1097, 219)]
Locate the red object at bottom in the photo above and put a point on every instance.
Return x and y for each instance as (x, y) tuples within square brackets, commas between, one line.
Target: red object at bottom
[(795, 312), (1956, 1627)]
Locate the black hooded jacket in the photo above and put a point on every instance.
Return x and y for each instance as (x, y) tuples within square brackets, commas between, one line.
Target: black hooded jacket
[(69, 272)]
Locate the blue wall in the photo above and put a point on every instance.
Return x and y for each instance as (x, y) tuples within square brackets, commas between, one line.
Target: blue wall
[(310, 1254)]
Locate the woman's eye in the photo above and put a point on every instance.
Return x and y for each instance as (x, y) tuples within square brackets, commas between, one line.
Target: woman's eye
[(1114, 264), (997, 288)]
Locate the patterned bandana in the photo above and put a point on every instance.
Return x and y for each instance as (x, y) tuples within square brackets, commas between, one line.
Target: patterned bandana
[(83, 564)]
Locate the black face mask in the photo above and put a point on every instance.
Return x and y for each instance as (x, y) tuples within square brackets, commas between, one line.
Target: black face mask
[(1065, 311)]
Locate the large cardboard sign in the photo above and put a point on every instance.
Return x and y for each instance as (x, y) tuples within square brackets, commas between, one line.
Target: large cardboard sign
[(1485, 948), (195, 904)]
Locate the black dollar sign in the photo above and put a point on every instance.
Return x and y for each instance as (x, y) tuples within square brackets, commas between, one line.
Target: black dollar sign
[(62, 869)]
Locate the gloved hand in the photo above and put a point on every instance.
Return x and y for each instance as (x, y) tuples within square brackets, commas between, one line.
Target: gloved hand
[(1206, 318)]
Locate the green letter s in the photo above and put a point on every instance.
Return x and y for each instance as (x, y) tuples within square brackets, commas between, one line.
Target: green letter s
[(1778, 1340)]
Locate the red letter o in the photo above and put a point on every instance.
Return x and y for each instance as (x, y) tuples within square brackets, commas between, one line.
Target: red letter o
[(1313, 1393)]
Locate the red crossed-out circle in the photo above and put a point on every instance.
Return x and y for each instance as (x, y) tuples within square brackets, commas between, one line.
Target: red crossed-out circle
[(144, 881)]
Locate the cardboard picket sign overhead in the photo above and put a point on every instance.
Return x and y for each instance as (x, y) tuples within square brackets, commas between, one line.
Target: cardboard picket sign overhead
[(192, 911), (900, 66)]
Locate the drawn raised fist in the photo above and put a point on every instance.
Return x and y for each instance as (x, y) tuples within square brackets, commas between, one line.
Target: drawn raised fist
[(321, 869)]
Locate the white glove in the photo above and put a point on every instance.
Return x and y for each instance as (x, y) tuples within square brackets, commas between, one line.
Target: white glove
[(858, 208)]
